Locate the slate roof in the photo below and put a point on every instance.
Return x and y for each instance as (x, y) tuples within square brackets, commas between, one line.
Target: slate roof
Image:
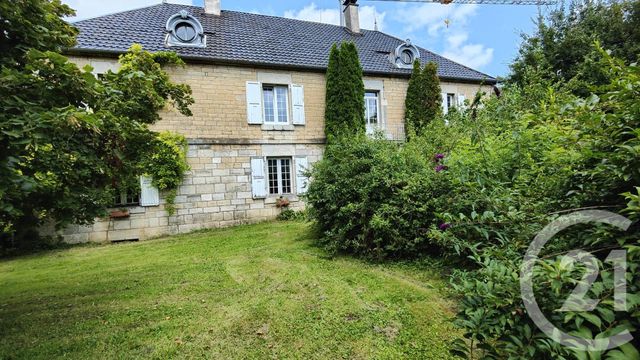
[(244, 38)]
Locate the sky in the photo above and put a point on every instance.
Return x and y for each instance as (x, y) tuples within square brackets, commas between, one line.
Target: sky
[(483, 37)]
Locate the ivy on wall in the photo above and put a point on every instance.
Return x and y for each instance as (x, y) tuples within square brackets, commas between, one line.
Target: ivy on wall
[(166, 164)]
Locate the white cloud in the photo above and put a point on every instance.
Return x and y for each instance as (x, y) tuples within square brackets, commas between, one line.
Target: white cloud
[(311, 12), (472, 55), (448, 25), (431, 17), (88, 9)]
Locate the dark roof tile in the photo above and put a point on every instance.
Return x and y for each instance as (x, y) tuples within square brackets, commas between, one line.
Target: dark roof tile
[(252, 38)]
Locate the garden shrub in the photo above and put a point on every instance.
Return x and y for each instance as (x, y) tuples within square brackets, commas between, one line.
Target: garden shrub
[(508, 166), (376, 198), (292, 215), (569, 153)]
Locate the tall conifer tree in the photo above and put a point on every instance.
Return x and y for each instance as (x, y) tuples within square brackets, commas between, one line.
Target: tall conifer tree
[(423, 102), (432, 93), (344, 113)]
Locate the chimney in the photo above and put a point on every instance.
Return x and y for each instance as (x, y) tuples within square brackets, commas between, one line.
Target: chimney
[(351, 18), (212, 7)]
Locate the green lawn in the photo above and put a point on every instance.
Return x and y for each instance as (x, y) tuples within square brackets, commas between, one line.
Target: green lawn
[(258, 291)]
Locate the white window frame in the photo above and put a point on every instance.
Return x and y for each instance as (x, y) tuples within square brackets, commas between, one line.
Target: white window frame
[(275, 105), (279, 178), (451, 100), (378, 124)]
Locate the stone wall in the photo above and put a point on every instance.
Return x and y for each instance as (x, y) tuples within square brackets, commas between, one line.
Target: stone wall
[(217, 190), (216, 193)]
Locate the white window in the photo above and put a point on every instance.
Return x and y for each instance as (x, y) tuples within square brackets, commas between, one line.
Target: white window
[(451, 101), (279, 172), (371, 109), (275, 99)]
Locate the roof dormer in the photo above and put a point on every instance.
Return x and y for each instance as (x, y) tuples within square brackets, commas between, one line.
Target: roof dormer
[(405, 54), (185, 30)]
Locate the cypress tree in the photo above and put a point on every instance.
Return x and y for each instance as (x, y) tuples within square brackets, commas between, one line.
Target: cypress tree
[(424, 98), (432, 93), (344, 104), (353, 89), (333, 97), (413, 109)]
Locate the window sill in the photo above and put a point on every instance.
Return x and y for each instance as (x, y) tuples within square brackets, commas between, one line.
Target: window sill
[(276, 127), (271, 198), (132, 209)]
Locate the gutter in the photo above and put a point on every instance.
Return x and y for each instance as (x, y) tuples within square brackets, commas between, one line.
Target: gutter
[(265, 65)]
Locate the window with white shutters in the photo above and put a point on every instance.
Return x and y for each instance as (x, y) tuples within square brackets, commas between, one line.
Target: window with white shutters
[(275, 99), (254, 102), (461, 100), (149, 194), (258, 180), (279, 171), (297, 104), (302, 182)]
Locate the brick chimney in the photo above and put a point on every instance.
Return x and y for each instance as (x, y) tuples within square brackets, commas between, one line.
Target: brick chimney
[(212, 7), (351, 17)]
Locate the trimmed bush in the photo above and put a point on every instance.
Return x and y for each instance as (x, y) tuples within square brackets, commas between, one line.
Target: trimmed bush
[(375, 198)]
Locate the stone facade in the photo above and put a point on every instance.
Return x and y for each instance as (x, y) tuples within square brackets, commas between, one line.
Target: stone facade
[(217, 191)]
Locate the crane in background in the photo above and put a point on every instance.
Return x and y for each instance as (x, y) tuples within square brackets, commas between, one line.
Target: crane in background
[(481, 2)]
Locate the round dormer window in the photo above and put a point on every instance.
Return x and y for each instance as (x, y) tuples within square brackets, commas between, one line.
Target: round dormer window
[(406, 57), (405, 54), (185, 32)]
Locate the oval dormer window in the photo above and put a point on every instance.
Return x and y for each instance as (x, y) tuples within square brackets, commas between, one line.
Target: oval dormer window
[(185, 30), (405, 55)]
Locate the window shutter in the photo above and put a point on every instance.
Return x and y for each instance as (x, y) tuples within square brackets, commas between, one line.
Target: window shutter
[(297, 100), (258, 180), (461, 99), (254, 102), (301, 180), (149, 195), (445, 109)]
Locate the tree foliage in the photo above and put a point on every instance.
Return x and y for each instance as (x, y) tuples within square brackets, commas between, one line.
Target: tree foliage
[(344, 109), (33, 24), (376, 199), (561, 48), (478, 190), (423, 100), (69, 140)]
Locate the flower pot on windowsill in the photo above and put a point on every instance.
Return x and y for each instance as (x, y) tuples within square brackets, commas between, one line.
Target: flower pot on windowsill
[(282, 203), (119, 214)]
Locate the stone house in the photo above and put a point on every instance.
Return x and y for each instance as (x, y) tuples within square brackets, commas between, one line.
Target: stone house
[(258, 120)]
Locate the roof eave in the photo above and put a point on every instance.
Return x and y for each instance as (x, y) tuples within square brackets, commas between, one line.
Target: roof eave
[(267, 65)]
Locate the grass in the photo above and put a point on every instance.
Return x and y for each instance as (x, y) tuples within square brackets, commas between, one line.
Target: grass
[(258, 291)]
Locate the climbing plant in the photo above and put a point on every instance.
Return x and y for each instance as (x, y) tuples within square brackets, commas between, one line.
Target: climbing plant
[(166, 163)]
